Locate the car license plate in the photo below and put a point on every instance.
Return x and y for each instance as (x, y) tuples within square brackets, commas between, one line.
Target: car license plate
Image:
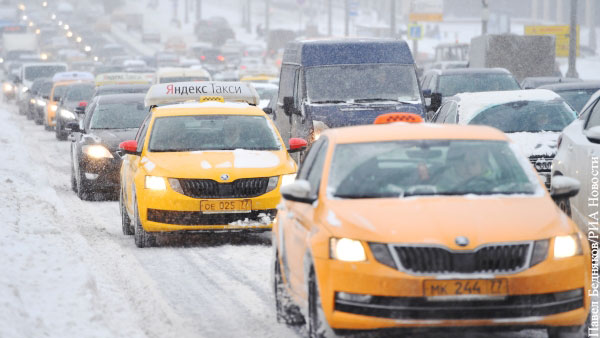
[(466, 287), (220, 206)]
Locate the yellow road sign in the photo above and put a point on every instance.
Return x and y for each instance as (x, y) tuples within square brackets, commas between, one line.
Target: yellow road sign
[(561, 34)]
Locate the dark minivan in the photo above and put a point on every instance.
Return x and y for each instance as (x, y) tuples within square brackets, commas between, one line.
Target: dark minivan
[(336, 83)]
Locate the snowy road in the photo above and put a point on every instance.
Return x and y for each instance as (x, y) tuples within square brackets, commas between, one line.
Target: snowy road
[(68, 271)]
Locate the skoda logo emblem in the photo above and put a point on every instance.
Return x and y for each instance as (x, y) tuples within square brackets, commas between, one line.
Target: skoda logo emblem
[(461, 241), (224, 177)]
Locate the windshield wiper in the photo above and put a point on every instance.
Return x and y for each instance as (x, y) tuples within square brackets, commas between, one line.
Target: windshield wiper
[(330, 101), (352, 196), (382, 99)]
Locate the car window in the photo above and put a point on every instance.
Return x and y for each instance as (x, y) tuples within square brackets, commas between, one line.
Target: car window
[(316, 170), (212, 132), (141, 134), (451, 114), (310, 158), (123, 115), (594, 119), (442, 112), (450, 85)]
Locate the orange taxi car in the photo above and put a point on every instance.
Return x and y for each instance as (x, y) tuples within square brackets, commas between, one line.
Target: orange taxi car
[(59, 87), (412, 226)]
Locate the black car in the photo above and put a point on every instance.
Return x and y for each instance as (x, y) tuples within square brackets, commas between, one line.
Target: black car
[(31, 97), (121, 89), (42, 94), (95, 159), (538, 81), (438, 84), (77, 95), (576, 94)]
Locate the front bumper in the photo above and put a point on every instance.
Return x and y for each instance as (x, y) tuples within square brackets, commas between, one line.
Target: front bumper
[(101, 174), (167, 211), (552, 293)]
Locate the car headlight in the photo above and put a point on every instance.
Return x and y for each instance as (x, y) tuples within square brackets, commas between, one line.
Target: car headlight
[(97, 151), (53, 108), (67, 114), (24, 89), (32, 101), (287, 179), (272, 183), (41, 103), (175, 185), (155, 183), (567, 246), (7, 87), (347, 250)]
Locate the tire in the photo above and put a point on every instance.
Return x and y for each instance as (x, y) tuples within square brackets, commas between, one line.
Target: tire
[(571, 332), (60, 134), (317, 326), (142, 238), (125, 220), (287, 312), (83, 189)]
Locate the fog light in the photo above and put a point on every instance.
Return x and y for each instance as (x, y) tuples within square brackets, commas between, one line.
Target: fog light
[(91, 176), (353, 297)]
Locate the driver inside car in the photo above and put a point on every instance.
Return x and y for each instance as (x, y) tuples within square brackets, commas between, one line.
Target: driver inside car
[(465, 167)]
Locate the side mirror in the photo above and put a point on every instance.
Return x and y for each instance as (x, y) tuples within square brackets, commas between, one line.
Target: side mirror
[(288, 105), (45, 97), (268, 110), (593, 134), (56, 98), (564, 187), (129, 147), (436, 101), (73, 127), (426, 93), (297, 145), (299, 191)]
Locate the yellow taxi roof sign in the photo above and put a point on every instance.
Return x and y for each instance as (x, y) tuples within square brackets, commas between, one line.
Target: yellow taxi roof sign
[(165, 93), (121, 78)]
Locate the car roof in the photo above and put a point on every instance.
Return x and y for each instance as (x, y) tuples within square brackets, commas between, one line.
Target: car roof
[(122, 87), (412, 131), (572, 85), (121, 98), (209, 108), (460, 71), (472, 103)]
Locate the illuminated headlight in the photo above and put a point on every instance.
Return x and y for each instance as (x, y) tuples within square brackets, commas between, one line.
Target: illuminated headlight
[(567, 246), (53, 108), (24, 89), (1, 60), (67, 114), (44, 56), (155, 183), (88, 49), (287, 179), (97, 151), (7, 87), (347, 250), (175, 185), (32, 101), (41, 103)]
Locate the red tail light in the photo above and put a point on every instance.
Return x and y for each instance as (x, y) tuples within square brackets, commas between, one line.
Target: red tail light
[(203, 57), (221, 58), (242, 67), (83, 104)]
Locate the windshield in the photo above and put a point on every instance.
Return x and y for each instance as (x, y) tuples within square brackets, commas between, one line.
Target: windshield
[(527, 116), (58, 93), (450, 85), (45, 89), (577, 98), (429, 167), (34, 72), (375, 82), (212, 132), (183, 79), (80, 93), (125, 115)]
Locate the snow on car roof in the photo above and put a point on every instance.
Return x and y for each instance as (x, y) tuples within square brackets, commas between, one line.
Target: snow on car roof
[(470, 104)]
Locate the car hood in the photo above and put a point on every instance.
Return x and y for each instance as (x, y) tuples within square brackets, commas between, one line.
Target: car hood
[(112, 137), (347, 114), (536, 144), (235, 164), (439, 220)]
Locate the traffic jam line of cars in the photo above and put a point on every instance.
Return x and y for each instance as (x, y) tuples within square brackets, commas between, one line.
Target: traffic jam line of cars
[(393, 203)]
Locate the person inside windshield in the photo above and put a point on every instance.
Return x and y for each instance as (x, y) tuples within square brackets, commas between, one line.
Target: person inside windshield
[(465, 168)]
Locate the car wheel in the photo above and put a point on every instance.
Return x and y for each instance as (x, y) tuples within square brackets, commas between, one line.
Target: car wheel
[(125, 220), (571, 332), (60, 134), (142, 238), (83, 189), (287, 312), (317, 323)]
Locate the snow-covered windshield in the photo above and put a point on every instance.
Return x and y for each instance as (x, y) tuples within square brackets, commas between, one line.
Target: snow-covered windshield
[(450, 85), (182, 79), (34, 72), (118, 115), (212, 132), (79, 93), (427, 167), (380, 82), (527, 116)]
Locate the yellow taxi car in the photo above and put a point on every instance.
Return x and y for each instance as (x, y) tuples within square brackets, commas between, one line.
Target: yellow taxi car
[(406, 226), (216, 162), (121, 78), (59, 87)]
